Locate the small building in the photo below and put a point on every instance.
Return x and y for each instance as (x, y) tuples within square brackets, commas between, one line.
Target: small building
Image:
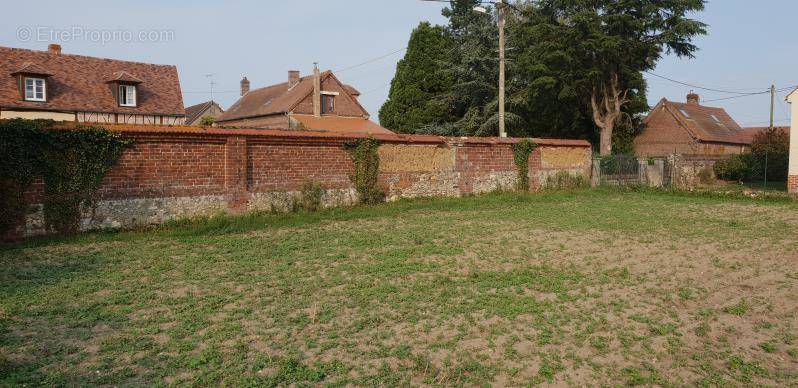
[(318, 102), (63, 87), (692, 129), (195, 114)]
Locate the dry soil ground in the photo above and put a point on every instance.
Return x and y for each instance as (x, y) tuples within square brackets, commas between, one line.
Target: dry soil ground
[(584, 288)]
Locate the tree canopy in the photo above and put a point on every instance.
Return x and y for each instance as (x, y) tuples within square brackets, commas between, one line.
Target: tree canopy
[(575, 68), (420, 78)]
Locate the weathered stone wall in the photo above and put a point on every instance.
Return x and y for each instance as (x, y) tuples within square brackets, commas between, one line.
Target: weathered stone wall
[(181, 172), (688, 172)]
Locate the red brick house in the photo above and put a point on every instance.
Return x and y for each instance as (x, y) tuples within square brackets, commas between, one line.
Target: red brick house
[(690, 129), (318, 102), (52, 85)]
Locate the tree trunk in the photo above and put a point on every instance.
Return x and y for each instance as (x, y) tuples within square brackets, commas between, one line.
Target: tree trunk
[(606, 105)]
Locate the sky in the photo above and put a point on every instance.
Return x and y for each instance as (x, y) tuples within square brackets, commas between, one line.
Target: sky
[(748, 48)]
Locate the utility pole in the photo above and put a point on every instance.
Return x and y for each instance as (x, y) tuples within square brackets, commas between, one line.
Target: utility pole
[(500, 8), (770, 130)]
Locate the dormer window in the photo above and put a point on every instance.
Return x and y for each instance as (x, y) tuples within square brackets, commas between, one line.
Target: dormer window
[(35, 89), (32, 82), (125, 86), (127, 95), (328, 102)]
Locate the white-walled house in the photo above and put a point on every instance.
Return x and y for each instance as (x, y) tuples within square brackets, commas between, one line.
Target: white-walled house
[(792, 179)]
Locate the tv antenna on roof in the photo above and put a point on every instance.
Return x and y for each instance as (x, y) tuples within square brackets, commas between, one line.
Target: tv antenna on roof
[(212, 83)]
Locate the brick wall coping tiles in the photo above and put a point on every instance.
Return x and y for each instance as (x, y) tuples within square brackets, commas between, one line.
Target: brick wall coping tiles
[(291, 135)]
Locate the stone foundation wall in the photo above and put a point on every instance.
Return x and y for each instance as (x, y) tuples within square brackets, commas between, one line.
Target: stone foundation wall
[(183, 172), (689, 172)]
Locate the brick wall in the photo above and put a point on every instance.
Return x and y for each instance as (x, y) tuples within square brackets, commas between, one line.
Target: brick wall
[(792, 184), (186, 172)]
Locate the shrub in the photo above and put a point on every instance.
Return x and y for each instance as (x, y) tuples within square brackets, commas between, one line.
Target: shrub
[(207, 121), (775, 146), (769, 147), (310, 197), (367, 167), (521, 152), (735, 168)]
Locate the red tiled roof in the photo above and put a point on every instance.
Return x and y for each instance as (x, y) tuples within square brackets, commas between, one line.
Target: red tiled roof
[(706, 123), (79, 83), (341, 124), (352, 90), (279, 99), (123, 76), (193, 112), (31, 68), (750, 132), (270, 100)]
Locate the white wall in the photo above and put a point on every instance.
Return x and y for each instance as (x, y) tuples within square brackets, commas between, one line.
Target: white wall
[(792, 98)]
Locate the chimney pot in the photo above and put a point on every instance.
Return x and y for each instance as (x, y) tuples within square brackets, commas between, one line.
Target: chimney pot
[(244, 86), (693, 99), (53, 48), (293, 78)]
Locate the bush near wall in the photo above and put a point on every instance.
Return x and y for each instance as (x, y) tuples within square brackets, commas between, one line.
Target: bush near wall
[(770, 151), (71, 163)]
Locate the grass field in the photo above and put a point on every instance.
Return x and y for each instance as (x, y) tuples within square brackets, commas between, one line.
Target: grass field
[(596, 287)]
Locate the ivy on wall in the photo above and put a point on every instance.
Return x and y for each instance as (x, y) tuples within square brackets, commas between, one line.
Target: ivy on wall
[(521, 152), (367, 165), (72, 163)]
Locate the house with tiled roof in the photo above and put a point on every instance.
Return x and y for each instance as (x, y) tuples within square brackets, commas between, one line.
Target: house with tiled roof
[(208, 109), (63, 87), (319, 102), (691, 129)]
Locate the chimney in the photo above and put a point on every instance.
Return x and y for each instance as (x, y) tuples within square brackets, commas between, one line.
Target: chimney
[(293, 78), (244, 86), (693, 99), (53, 48), (316, 90)]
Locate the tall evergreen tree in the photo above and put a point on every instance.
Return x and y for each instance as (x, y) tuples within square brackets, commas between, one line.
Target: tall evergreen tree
[(575, 68), (596, 51), (414, 99)]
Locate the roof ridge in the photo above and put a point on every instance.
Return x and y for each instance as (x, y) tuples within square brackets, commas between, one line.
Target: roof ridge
[(86, 56)]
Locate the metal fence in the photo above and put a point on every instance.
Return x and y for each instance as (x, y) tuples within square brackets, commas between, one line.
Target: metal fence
[(617, 170)]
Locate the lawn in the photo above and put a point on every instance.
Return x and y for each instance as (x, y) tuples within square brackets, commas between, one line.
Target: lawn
[(595, 287)]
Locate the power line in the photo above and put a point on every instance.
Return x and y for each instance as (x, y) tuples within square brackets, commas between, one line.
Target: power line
[(215, 91), (704, 88), (369, 61), (749, 94), (376, 89)]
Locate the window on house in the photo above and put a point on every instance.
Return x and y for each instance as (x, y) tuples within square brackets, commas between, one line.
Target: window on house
[(715, 118), (127, 95), (327, 103), (684, 113), (35, 89)]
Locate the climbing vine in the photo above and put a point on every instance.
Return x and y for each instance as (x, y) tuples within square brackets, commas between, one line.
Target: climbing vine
[(521, 152), (71, 162), (367, 165)]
